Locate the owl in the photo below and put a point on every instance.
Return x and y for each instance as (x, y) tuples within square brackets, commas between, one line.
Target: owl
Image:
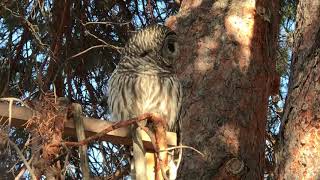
[(145, 81)]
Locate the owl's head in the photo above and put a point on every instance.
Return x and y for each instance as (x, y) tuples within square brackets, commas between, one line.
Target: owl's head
[(155, 44)]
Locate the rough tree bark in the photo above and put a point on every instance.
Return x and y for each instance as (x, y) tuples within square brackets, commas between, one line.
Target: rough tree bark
[(227, 70), (299, 152)]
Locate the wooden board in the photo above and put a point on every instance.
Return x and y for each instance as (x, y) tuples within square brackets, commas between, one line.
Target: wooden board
[(20, 115)]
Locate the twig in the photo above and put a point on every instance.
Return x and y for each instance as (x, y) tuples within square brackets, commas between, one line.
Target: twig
[(105, 23), (109, 45), (23, 159), (85, 51), (101, 40), (30, 26), (184, 147), (20, 173), (150, 10), (55, 94), (66, 163)]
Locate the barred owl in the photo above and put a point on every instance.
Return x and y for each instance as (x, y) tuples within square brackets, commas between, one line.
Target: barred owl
[(145, 81)]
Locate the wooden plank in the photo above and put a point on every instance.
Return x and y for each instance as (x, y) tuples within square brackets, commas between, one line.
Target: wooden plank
[(92, 126), (78, 123)]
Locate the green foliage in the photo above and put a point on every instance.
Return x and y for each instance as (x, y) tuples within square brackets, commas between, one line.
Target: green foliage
[(288, 10), (282, 61)]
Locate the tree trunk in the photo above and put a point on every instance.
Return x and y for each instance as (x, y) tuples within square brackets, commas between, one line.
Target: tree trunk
[(227, 68), (299, 154)]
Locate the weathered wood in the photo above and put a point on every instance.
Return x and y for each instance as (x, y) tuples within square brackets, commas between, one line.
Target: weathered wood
[(78, 122), (20, 115)]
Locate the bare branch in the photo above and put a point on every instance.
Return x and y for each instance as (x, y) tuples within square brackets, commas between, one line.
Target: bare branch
[(85, 51), (110, 46), (23, 159), (22, 171), (184, 147), (106, 23)]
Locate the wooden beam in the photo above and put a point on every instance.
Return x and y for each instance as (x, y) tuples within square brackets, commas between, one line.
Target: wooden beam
[(92, 126)]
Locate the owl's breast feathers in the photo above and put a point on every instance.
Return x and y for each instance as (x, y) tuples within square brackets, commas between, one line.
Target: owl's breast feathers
[(134, 94)]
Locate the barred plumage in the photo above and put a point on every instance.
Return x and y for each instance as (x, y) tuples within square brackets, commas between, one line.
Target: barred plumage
[(145, 81), (134, 94)]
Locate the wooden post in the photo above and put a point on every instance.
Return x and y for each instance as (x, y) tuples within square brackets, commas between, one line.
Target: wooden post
[(78, 123), (151, 165)]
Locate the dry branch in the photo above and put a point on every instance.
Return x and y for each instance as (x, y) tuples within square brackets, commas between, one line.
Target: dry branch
[(86, 50), (32, 174), (112, 127)]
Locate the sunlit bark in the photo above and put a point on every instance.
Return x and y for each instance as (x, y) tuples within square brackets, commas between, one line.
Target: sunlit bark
[(299, 155), (227, 70)]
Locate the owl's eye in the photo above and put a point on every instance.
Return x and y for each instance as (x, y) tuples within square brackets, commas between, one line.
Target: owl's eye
[(170, 48)]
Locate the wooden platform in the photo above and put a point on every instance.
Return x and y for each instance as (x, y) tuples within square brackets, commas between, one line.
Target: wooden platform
[(20, 115)]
